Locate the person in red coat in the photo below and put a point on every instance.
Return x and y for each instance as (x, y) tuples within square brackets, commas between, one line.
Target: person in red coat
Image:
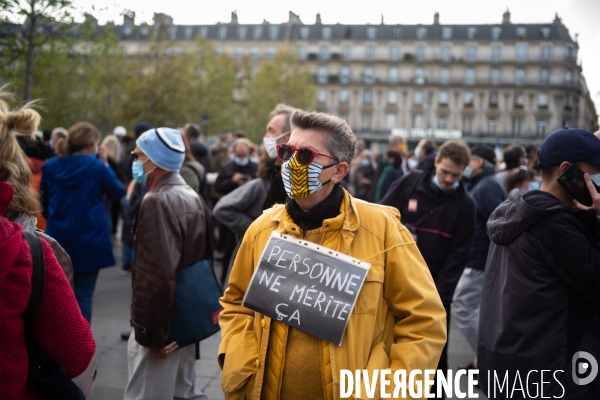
[(60, 329)]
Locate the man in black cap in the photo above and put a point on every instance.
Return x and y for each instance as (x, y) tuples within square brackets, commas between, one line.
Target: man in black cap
[(541, 290), (488, 194)]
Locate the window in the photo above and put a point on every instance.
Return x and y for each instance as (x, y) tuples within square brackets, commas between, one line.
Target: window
[(346, 53), (390, 121), (370, 55), (371, 32), (566, 122), (467, 123), (144, 30), (254, 53), (469, 76), (442, 122), (343, 116), (496, 52), (239, 52), (446, 33), (419, 76), (270, 52), (545, 31), (368, 97), (522, 53), (519, 76), (322, 74), (322, 96), (326, 32), (169, 50), (521, 32), (445, 53), (493, 99), (468, 99), (345, 74), (189, 31), (183, 49), (324, 53), (219, 51), (257, 32), (470, 53), (273, 32), (516, 126), (568, 53), (344, 96), (567, 101), (544, 76), (546, 53), (443, 98), (397, 32), (519, 100), (304, 32), (495, 76), (366, 121), (496, 32), (421, 32), (417, 98), (394, 53), (471, 31), (222, 32), (393, 75), (491, 126), (173, 32), (420, 53), (368, 77), (541, 127), (241, 31), (302, 52), (568, 77), (417, 119), (392, 97), (444, 76), (543, 100)]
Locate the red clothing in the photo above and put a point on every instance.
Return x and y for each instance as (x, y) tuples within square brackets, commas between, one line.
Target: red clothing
[(60, 329)]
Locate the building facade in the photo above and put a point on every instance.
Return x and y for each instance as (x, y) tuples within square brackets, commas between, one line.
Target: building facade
[(507, 81)]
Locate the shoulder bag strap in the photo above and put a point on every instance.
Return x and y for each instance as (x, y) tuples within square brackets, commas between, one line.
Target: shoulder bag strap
[(37, 281)]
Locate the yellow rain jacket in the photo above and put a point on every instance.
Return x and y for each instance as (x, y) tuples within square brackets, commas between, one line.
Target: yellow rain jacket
[(398, 321)]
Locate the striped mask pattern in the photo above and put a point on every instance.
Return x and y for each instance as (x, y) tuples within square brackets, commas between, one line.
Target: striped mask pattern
[(299, 180)]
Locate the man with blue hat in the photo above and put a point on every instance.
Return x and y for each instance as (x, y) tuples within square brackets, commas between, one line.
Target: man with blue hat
[(540, 310), (172, 232)]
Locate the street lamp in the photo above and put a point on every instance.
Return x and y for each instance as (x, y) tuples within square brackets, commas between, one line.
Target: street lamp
[(205, 122)]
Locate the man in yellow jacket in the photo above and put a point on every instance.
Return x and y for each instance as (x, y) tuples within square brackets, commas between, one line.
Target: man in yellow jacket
[(398, 321)]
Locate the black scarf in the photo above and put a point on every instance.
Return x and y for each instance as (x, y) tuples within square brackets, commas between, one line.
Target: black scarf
[(313, 218)]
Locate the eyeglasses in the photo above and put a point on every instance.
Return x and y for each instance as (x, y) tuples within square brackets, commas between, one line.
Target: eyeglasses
[(303, 155)]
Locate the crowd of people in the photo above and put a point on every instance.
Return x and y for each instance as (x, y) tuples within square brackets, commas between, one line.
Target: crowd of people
[(498, 245)]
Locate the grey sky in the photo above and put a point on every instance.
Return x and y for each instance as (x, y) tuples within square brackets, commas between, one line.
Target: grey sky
[(580, 16)]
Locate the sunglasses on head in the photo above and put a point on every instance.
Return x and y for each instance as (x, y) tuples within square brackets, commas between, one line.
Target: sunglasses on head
[(303, 155)]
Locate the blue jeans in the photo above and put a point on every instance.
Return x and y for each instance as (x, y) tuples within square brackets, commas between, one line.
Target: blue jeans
[(126, 254), (84, 284)]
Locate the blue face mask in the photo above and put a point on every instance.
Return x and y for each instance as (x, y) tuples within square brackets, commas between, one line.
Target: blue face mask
[(137, 170), (241, 162), (534, 185), (436, 182), (365, 162), (468, 172)]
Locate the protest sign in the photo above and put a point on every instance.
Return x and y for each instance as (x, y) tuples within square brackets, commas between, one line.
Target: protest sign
[(307, 286)]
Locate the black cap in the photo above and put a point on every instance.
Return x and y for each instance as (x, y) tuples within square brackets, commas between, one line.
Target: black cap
[(141, 127), (569, 144), (485, 152)]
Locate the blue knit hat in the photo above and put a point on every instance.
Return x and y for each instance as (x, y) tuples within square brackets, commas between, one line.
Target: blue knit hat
[(164, 146)]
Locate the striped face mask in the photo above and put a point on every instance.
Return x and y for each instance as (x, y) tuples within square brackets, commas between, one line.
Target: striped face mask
[(301, 181)]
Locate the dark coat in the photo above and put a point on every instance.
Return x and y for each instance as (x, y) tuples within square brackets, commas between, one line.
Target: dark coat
[(130, 212), (443, 222), (225, 184), (73, 190), (488, 194), (541, 296)]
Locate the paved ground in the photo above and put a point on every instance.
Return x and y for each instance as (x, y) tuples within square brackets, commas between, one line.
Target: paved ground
[(111, 317)]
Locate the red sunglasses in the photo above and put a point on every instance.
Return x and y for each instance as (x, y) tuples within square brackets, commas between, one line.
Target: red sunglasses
[(303, 155)]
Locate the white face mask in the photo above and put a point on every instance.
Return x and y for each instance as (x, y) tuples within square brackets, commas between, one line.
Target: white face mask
[(596, 179), (270, 144)]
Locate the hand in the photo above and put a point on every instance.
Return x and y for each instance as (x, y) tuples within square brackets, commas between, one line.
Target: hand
[(165, 352), (238, 178), (102, 155), (595, 196)]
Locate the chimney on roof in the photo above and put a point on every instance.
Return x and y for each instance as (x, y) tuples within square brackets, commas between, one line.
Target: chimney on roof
[(436, 18), (506, 17), (382, 19), (318, 19), (294, 19), (557, 19), (234, 17)]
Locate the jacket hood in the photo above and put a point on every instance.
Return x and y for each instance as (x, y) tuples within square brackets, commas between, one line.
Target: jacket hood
[(519, 212), (10, 233), (69, 171)]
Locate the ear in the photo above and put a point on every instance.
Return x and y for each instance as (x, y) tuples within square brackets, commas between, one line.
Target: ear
[(563, 166), (340, 172), (435, 161)]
